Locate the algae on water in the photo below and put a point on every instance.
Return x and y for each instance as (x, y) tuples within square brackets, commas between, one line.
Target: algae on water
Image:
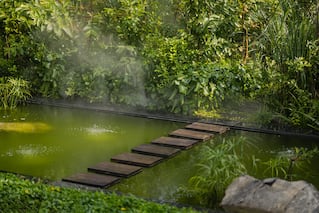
[(25, 127)]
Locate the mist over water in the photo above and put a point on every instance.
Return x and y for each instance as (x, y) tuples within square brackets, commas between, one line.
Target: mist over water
[(100, 69), (90, 64), (92, 50)]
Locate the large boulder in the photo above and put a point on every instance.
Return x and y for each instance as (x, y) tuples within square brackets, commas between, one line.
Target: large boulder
[(248, 194)]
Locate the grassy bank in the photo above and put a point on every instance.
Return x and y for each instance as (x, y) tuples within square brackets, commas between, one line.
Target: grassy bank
[(20, 195)]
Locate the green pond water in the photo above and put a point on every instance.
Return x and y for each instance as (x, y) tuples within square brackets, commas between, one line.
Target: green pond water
[(162, 182), (65, 141)]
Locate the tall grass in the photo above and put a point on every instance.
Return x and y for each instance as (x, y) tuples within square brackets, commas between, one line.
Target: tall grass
[(292, 166), (219, 166), (13, 91), (226, 159), (287, 34), (289, 49)]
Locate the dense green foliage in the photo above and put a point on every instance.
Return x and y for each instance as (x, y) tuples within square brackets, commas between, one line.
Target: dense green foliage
[(18, 195), (179, 56)]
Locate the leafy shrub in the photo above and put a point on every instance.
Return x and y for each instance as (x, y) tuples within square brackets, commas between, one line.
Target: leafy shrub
[(18, 195), (291, 65), (182, 79), (13, 91)]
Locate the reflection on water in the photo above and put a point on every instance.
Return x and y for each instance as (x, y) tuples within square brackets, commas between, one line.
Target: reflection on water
[(287, 152), (30, 150), (25, 127), (76, 140), (96, 130), (162, 182)]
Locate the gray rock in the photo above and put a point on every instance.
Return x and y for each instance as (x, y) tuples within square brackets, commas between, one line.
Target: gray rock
[(248, 194)]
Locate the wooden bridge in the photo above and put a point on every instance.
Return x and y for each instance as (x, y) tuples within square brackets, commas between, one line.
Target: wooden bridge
[(125, 165)]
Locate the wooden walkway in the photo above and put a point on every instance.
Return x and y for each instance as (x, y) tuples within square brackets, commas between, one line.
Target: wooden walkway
[(106, 174)]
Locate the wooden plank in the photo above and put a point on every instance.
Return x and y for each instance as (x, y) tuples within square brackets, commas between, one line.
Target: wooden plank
[(136, 159), (115, 169), (185, 133), (92, 179), (155, 150), (207, 127), (179, 143)]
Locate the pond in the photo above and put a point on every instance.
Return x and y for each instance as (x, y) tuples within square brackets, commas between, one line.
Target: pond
[(53, 143), (164, 181)]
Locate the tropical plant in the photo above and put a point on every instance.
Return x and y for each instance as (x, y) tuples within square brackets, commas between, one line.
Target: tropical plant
[(225, 159), (15, 43), (291, 64), (132, 21), (13, 92), (291, 166), (219, 165)]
